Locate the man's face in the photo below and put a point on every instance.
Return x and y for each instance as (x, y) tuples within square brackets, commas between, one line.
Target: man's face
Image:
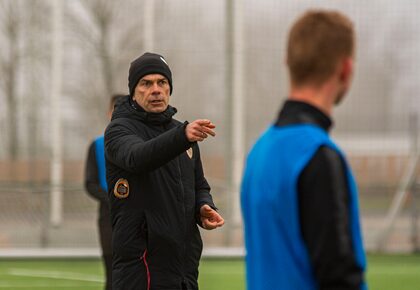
[(152, 93)]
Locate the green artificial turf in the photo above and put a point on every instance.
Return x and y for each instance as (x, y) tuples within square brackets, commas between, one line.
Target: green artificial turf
[(385, 272)]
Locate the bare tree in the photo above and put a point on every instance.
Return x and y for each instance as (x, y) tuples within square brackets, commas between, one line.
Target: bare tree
[(102, 13), (94, 33), (36, 60), (104, 45), (10, 25)]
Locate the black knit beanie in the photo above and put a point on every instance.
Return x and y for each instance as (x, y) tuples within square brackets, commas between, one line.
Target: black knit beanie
[(148, 63)]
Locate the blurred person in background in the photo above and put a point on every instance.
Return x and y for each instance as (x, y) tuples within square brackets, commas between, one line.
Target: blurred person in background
[(299, 199), (157, 189), (95, 184)]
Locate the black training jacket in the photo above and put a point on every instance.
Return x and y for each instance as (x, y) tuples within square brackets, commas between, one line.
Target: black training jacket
[(156, 241)]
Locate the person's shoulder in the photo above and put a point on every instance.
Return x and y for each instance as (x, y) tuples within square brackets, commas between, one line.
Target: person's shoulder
[(91, 147), (120, 121), (98, 138), (176, 122), (329, 157), (118, 124)]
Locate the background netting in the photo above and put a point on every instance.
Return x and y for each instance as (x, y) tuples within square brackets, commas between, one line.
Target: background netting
[(376, 125)]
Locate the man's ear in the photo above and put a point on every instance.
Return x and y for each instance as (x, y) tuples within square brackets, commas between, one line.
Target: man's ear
[(346, 70)]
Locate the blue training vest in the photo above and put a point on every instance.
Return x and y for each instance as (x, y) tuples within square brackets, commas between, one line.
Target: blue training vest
[(100, 161), (277, 257)]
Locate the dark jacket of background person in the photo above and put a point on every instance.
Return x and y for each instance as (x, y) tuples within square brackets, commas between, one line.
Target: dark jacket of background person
[(94, 172), (157, 221)]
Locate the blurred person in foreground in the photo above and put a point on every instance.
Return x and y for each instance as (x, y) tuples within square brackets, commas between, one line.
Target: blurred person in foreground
[(95, 184), (157, 189), (299, 199)]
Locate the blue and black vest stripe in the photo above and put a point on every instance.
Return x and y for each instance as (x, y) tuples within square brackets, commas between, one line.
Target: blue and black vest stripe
[(100, 161)]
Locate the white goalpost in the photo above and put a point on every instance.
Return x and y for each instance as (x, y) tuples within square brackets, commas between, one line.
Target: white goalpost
[(405, 189), (56, 186)]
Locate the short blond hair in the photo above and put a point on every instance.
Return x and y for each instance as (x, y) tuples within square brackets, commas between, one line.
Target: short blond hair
[(317, 42)]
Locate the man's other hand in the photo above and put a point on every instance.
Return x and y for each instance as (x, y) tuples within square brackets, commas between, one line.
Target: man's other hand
[(210, 219)]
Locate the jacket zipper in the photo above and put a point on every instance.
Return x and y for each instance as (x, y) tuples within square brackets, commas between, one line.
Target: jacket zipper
[(184, 222)]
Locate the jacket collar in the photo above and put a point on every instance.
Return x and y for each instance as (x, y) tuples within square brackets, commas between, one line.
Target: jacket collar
[(130, 109), (295, 112)]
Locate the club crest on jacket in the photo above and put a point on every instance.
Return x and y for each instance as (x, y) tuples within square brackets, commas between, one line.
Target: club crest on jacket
[(190, 152), (121, 188)]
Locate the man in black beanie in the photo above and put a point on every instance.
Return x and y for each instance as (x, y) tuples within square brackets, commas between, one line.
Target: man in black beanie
[(156, 185)]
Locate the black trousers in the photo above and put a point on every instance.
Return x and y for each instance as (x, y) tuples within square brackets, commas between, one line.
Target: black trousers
[(105, 236)]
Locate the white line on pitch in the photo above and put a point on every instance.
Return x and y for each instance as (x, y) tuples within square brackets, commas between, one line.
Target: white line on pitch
[(55, 275), (44, 286)]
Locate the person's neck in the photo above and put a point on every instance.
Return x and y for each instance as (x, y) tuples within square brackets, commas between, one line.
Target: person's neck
[(321, 97)]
